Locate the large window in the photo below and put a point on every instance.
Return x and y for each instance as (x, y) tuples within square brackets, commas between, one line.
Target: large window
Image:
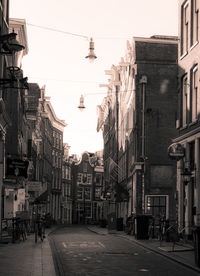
[(184, 28), (194, 21), (156, 205), (84, 193)]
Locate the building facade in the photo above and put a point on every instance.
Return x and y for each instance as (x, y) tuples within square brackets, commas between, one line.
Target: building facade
[(188, 124), (4, 119), (87, 187), (14, 94), (66, 204), (138, 122)]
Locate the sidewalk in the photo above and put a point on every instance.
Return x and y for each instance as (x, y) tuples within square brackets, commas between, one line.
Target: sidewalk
[(27, 258), (183, 254)]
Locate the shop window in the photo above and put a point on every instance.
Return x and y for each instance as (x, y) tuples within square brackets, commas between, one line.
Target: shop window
[(156, 205)]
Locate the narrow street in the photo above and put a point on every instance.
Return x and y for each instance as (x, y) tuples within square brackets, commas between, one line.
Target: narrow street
[(78, 251)]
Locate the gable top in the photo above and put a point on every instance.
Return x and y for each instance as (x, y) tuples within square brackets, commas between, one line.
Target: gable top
[(86, 156)]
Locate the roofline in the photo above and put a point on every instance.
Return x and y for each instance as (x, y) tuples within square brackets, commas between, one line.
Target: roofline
[(167, 40)]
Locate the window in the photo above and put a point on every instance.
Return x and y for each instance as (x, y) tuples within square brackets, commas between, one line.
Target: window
[(97, 192), (194, 21), (79, 178), (89, 179), (185, 101), (156, 205), (70, 174), (194, 94), (63, 172), (80, 193), (184, 28), (84, 178), (98, 179), (192, 153), (87, 194)]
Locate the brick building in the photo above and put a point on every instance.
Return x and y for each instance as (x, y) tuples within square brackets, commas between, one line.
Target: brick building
[(138, 122)]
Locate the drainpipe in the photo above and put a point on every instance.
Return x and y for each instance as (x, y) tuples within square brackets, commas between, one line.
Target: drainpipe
[(143, 81)]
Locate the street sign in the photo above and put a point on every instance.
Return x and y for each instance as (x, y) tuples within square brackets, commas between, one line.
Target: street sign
[(16, 167), (176, 151)]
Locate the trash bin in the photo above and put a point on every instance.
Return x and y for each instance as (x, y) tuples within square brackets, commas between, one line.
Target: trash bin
[(142, 227), (119, 224), (196, 240)]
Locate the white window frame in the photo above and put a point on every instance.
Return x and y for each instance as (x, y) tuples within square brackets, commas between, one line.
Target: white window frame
[(166, 200)]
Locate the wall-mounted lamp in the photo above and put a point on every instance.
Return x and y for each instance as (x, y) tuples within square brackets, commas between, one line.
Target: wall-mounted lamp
[(11, 48), (186, 175), (91, 56)]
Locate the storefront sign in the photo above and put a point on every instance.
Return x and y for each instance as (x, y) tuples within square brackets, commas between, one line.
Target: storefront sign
[(176, 151), (34, 186), (16, 167)]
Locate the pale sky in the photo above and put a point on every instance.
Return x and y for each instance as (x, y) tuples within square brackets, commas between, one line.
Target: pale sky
[(57, 59)]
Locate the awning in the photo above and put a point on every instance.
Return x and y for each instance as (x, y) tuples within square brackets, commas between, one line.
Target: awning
[(42, 199)]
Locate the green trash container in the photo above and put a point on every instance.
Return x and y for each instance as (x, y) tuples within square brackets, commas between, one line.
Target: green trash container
[(120, 226), (142, 227)]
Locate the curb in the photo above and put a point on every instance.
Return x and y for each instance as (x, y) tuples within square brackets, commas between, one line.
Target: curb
[(196, 269), (162, 254)]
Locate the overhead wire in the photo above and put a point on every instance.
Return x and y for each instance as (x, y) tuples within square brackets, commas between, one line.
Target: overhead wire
[(70, 33)]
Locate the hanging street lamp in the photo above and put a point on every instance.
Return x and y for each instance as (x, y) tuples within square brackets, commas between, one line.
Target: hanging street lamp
[(81, 105), (91, 56)]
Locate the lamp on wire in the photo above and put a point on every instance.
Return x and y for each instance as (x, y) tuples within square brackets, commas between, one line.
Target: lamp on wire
[(81, 105), (12, 49), (91, 56)]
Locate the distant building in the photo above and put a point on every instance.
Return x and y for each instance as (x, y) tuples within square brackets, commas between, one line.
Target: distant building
[(87, 188), (66, 203)]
